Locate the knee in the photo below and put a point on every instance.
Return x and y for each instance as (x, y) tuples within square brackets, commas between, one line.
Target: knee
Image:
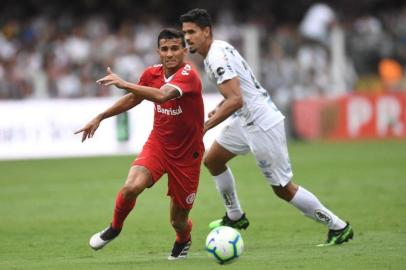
[(208, 162), (210, 165), (285, 193), (214, 166), (282, 194), (131, 191)]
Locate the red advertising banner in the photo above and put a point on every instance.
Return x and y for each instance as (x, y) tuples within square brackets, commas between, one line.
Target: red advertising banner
[(351, 117)]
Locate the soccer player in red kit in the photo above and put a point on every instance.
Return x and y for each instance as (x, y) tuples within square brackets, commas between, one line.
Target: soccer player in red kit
[(175, 145)]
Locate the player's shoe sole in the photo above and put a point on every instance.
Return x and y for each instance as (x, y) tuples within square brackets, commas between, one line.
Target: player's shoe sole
[(180, 251), (100, 239), (241, 224), (337, 237)]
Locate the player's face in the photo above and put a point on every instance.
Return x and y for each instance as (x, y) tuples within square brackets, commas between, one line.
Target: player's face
[(171, 52), (195, 36)]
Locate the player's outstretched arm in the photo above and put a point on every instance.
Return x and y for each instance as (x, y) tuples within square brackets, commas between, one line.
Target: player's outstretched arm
[(149, 93), (90, 128), (123, 104)]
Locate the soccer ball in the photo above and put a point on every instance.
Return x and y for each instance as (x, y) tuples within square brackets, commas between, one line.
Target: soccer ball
[(224, 244)]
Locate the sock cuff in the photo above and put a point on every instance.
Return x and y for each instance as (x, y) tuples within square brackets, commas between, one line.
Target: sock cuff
[(226, 173), (184, 236)]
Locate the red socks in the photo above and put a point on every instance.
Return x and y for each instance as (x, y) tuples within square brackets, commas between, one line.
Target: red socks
[(123, 207), (121, 210), (183, 237)]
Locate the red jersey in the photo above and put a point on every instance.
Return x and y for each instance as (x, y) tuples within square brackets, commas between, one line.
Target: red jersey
[(178, 123)]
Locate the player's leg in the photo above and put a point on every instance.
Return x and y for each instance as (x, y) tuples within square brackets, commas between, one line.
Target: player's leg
[(183, 181), (138, 179), (217, 158), (230, 143), (274, 163), (309, 205), (179, 218), (339, 230)]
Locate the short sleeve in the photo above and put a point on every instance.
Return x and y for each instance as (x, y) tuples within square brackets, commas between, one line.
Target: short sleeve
[(145, 78), (218, 64)]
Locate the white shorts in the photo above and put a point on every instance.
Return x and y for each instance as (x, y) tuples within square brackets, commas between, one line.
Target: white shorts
[(268, 147)]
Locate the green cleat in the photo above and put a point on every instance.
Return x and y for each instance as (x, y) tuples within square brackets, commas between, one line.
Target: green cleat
[(240, 224), (337, 237)]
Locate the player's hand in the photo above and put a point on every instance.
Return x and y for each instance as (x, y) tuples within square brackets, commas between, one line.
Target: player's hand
[(112, 79), (89, 129), (211, 113)]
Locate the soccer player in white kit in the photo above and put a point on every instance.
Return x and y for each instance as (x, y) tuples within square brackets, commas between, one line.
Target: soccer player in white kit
[(256, 125)]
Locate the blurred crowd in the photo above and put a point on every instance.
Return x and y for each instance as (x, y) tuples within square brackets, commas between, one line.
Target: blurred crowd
[(46, 57), (324, 53), (330, 54)]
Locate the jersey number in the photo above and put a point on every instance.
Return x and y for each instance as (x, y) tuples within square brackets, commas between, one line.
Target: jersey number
[(186, 70)]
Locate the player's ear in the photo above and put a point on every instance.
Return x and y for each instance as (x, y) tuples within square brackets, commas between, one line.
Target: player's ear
[(207, 31)]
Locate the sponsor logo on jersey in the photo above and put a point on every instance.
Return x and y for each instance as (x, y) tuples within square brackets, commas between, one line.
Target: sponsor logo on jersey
[(220, 71), (190, 198), (170, 111)]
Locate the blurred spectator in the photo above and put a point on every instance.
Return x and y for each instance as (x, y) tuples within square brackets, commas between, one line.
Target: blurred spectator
[(367, 43), (317, 22), (314, 51), (391, 73)]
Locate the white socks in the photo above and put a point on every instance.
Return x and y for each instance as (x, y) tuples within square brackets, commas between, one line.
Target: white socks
[(225, 184), (310, 206), (303, 200)]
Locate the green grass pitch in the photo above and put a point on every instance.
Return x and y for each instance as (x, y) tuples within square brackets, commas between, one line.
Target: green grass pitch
[(50, 208)]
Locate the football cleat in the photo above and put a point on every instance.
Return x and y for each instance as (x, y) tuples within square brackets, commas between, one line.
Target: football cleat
[(180, 250), (240, 224), (337, 237), (100, 239)]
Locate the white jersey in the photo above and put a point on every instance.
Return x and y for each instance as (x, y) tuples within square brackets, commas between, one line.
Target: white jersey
[(222, 63)]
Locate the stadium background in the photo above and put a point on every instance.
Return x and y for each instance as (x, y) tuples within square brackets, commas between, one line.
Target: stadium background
[(345, 102), (315, 70), (55, 35)]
